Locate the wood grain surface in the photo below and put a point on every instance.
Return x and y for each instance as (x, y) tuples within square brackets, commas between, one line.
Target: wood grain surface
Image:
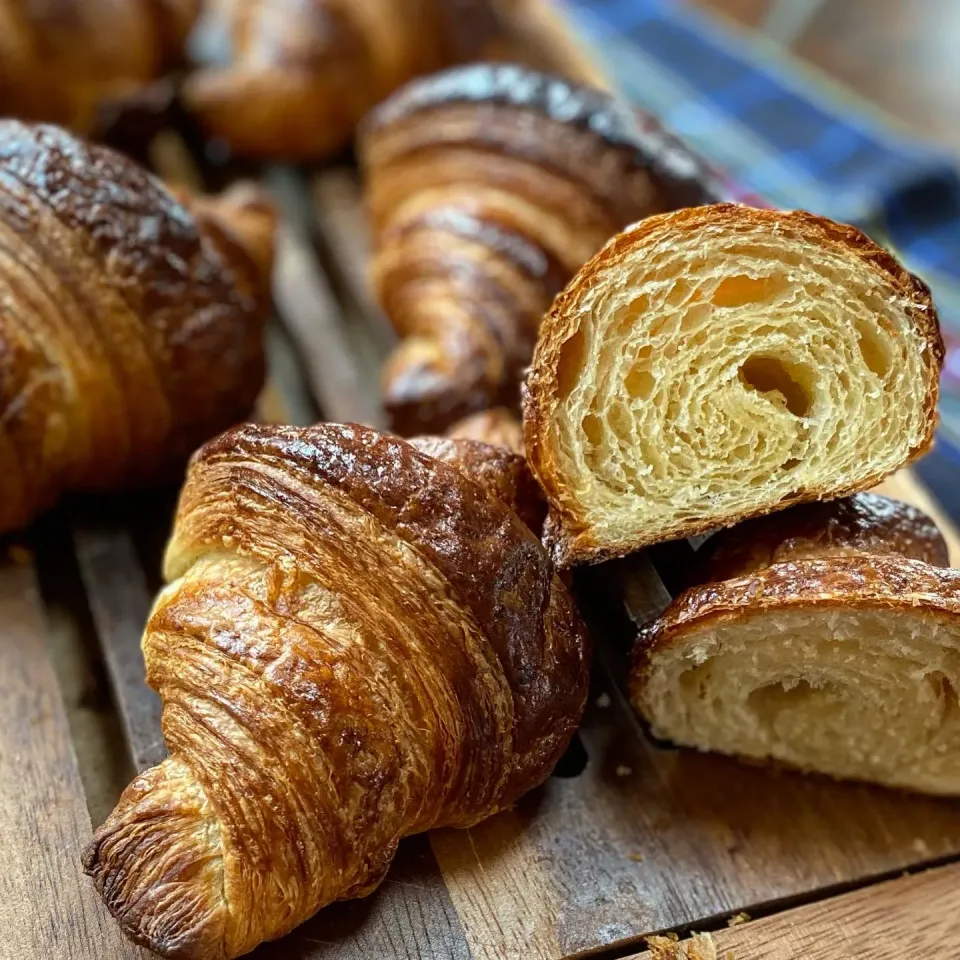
[(48, 910), (910, 917)]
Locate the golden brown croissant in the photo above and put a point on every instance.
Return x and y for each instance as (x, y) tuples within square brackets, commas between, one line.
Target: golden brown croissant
[(302, 73), (488, 187), (131, 329), (829, 643), (718, 363), (60, 61), (498, 427), (357, 643)]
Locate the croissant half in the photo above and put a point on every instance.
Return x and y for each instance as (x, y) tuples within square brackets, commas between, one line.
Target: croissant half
[(723, 362), (131, 329), (839, 655), (488, 186), (357, 642), (60, 61), (302, 73)]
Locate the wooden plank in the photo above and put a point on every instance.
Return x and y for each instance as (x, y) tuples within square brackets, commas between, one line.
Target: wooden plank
[(47, 907), (120, 603), (339, 206), (311, 314), (914, 916)]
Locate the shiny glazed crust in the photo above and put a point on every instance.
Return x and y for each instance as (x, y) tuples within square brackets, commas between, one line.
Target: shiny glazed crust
[(865, 523), (623, 266), (488, 186), (59, 62), (131, 330), (357, 643), (500, 472), (302, 75)]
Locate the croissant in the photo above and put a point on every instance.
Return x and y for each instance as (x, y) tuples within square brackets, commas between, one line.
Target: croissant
[(497, 427), (357, 642), (131, 329), (719, 363), (60, 61), (302, 73), (488, 186), (839, 655)]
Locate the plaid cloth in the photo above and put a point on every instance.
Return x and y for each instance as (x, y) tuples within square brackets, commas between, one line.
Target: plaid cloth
[(787, 135)]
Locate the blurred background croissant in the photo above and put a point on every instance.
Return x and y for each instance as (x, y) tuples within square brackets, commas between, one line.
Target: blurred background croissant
[(61, 62), (293, 78), (284, 79)]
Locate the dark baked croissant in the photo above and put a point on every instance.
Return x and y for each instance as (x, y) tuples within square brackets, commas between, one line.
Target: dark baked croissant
[(826, 638), (357, 642), (60, 61), (718, 363), (302, 73), (488, 186), (131, 329)]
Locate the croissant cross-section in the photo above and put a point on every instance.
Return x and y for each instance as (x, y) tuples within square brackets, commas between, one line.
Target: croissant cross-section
[(837, 653), (722, 362), (358, 642)]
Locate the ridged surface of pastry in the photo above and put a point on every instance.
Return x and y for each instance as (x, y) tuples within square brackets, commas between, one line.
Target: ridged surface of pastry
[(724, 362), (357, 642), (60, 61), (840, 661), (488, 186), (131, 329), (300, 74)]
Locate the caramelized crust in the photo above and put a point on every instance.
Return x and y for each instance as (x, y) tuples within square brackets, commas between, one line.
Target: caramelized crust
[(500, 472), (720, 363), (131, 330), (302, 74), (488, 186), (862, 524), (357, 642), (832, 644), (59, 62)]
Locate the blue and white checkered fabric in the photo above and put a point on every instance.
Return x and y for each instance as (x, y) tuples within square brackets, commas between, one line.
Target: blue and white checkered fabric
[(787, 135)]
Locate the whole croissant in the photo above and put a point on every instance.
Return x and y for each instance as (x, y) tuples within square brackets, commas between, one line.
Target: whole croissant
[(300, 74), (488, 186), (131, 329), (826, 638), (60, 61), (358, 642)]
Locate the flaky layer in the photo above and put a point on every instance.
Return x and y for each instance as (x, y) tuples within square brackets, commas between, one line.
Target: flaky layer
[(357, 643), (720, 363), (848, 666)]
